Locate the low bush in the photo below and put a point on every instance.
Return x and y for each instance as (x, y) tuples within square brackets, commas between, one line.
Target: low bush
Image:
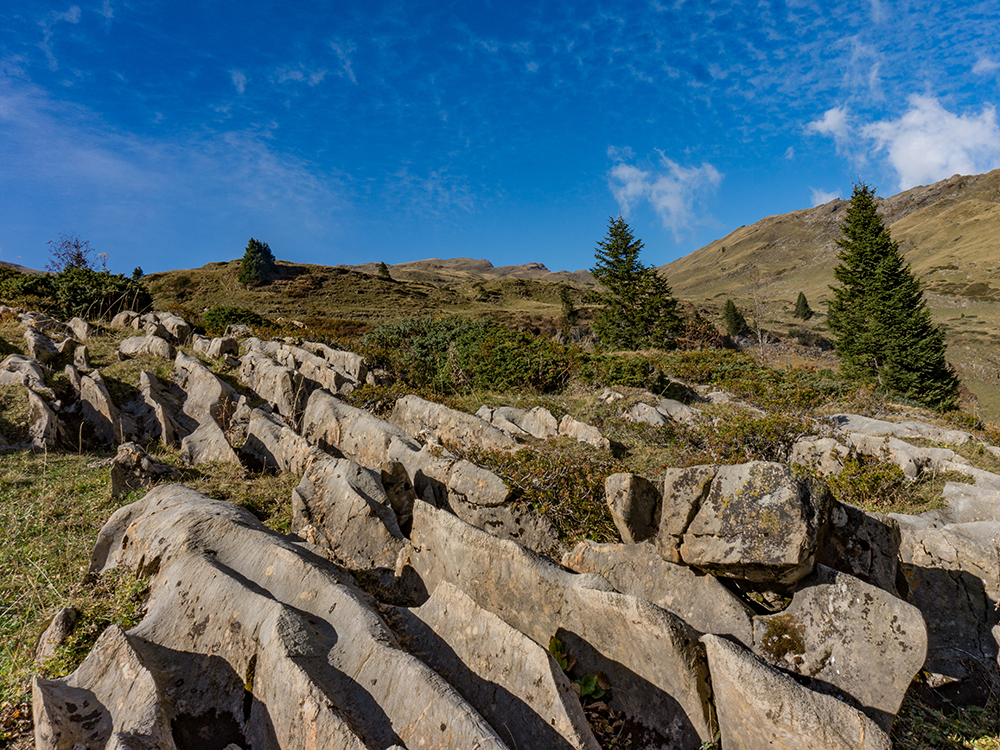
[(217, 319), (76, 291)]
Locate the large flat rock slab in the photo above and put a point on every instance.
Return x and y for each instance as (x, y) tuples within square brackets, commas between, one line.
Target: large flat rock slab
[(760, 707), (650, 656), (513, 682)]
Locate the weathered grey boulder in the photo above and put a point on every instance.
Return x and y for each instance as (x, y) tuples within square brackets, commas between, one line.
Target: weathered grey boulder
[(648, 654), (132, 469), (45, 428), (146, 346), (81, 358), (247, 629), (637, 569), (155, 328), (503, 418), (220, 346), (863, 544), (758, 522), (124, 319), (911, 459), (512, 522), (909, 429), (238, 330), (352, 432), (647, 414), (759, 707), (539, 422), (951, 574), (206, 395), (634, 503), (157, 412), (851, 637), (111, 701), (44, 323), (56, 633), (82, 330), (514, 683), (583, 432), (200, 344), (16, 369), (353, 365), (177, 328), (141, 321), (350, 511), (684, 490), (415, 415), (677, 411), (110, 426), (274, 445), (207, 444), (40, 346), (966, 503), (824, 455), (282, 387)]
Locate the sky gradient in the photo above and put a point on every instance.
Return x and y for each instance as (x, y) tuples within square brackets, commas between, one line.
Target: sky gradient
[(169, 133)]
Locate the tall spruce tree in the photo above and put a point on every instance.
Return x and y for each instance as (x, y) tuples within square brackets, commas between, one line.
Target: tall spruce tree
[(258, 263), (639, 309), (802, 309), (735, 322), (878, 314)]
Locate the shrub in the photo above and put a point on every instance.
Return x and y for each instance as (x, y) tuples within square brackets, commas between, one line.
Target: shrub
[(94, 294), (216, 319), (744, 436)]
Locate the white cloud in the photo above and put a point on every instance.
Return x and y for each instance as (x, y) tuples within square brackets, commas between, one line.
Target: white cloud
[(835, 124), (790, 153), (106, 10), (985, 66), (70, 16), (301, 74), (344, 50), (239, 80), (819, 197), (928, 143), (671, 190)]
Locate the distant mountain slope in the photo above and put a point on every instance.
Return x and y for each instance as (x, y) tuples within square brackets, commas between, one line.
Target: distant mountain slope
[(948, 231), (446, 272)]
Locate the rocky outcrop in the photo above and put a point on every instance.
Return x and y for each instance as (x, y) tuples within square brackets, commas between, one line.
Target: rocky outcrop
[(514, 683), (583, 432), (637, 569), (82, 330), (667, 410), (45, 428), (758, 522), (81, 358), (648, 655), (40, 346), (271, 444), (415, 415), (634, 503), (132, 469), (350, 512), (146, 346), (206, 445), (250, 634), (176, 327), (157, 412), (849, 638), (206, 396), (351, 364), (110, 426), (124, 319), (282, 387), (759, 707), (849, 423), (16, 369), (539, 422)]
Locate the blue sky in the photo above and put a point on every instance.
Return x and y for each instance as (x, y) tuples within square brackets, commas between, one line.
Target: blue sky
[(169, 133)]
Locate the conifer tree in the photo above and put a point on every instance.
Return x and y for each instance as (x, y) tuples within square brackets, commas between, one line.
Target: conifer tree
[(878, 314), (802, 309), (258, 263), (735, 322), (639, 309), (383, 271)]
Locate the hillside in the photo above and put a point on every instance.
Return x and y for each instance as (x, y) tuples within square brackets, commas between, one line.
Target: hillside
[(947, 231)]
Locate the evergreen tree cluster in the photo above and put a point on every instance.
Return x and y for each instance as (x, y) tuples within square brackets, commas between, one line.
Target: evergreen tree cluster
[(878, 314), (639, 309), (258, 264)]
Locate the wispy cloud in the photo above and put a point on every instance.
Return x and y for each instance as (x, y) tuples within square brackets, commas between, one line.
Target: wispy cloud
[(344, 51), (70, 16), (438, 193), (300, 74), (819, 197), (239, 80), (985, 66), (673, 191)]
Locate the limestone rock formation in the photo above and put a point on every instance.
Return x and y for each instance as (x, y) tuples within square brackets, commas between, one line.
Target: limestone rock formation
[(634, 503), (133, 469), (17, 369), (40, 346), (760, 707), (146, 346), (248, 638), (758, 522), (82, 330), (415, 415), (282, 387)]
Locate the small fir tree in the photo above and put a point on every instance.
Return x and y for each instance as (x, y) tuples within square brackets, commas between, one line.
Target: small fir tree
[(639, 309), (69, 251), (802, 309), (383, 271), (735, 322), (258, 264), (569, 311), (878, 314)]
